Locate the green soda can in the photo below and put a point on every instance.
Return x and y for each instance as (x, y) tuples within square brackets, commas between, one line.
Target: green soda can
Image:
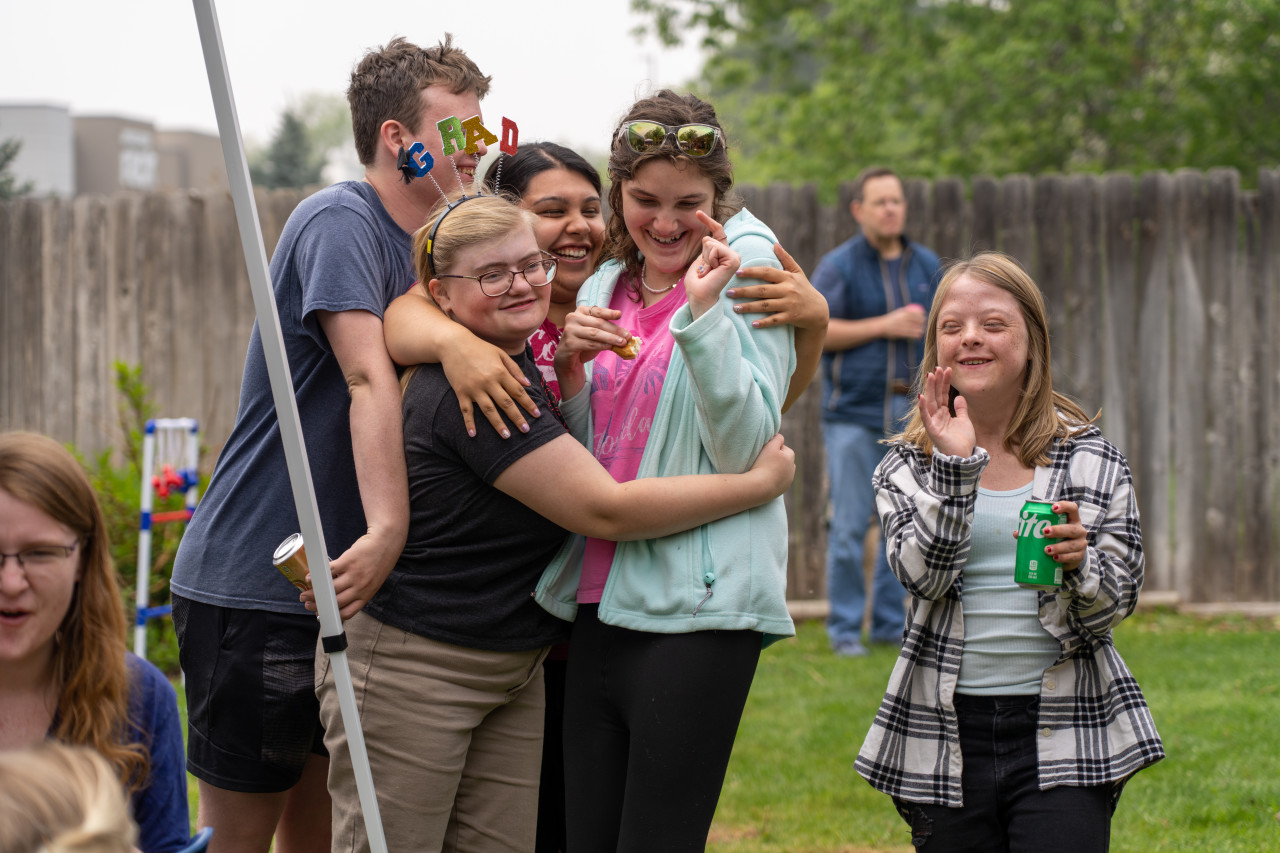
[(1033, 568)]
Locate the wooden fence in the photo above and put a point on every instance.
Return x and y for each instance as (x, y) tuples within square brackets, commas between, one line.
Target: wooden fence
[(1163, 291)]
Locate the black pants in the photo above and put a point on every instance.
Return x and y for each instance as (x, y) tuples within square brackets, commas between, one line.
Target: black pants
[(1004, 809), (650, 721)]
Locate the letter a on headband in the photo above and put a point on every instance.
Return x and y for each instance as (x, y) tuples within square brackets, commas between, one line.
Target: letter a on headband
[(476, 131)]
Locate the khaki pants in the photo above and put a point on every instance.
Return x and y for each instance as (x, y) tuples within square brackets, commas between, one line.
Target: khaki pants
[(454, 737)]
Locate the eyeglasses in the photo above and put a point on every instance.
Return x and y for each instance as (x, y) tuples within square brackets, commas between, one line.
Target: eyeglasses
[(40, 556), (538, 273), (696, 140)]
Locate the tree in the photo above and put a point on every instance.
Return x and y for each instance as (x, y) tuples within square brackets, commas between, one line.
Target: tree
[(814, 90), (9, 185), (291, 159)]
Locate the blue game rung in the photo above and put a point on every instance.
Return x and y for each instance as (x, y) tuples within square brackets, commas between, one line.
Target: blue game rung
[(145, 613)]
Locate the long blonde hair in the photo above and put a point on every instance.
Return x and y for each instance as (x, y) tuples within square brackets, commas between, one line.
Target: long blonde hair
[(90, 671), (1042, 414), (56, 798)]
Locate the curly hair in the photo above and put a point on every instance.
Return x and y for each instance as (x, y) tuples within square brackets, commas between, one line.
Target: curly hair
[(90, 671), (665, 107)]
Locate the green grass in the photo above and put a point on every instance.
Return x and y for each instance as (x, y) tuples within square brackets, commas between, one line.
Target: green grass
[(1213, 686)]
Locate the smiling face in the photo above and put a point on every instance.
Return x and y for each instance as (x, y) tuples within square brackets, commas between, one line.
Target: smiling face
[(659, 206), (438, 104), (982, 336), (570, 226), (505, 321), (34, 600)]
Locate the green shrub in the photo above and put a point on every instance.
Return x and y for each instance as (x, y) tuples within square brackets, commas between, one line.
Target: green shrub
[(118, 484)]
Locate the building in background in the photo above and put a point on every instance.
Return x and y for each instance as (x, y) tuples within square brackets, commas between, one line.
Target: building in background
[(66, 156), (47, 156)]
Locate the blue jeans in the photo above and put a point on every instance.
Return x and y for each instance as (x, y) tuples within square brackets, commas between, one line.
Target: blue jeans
[(1004, 809), (853, 452)]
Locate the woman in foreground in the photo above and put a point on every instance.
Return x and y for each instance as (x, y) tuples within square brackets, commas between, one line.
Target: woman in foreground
[(64, 670), (1010, 722)]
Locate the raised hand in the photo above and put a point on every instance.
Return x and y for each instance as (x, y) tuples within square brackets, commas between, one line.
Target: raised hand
[(952, 434), (708, 275)]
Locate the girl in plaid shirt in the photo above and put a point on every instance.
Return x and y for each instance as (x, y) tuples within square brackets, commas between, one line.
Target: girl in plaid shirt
[(1022, 690)]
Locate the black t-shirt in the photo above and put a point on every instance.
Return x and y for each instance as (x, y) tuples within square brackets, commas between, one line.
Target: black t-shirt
[(474, 555)]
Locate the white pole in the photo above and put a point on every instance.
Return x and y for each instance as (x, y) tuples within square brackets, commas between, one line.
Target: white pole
[(332, 637), (146, 504)]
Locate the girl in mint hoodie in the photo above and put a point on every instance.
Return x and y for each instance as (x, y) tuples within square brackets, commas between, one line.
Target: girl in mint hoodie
[(668, 631)]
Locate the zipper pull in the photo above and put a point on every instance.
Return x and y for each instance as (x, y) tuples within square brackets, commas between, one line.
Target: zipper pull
[(709, 578)]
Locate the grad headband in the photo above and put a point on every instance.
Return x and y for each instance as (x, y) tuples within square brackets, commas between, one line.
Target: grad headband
[(455, 135)]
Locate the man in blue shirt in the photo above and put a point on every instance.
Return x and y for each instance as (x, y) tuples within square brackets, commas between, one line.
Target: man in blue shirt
[(879, 286)]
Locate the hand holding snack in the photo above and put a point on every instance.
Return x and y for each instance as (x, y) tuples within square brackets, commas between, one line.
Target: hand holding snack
[(629, 350)]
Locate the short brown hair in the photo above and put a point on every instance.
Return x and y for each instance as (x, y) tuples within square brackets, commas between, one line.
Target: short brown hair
[(666, 107), (387, 85), (867, 174)]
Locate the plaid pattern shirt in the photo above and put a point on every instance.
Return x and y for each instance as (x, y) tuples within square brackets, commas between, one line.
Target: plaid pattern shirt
[(1094, 725)]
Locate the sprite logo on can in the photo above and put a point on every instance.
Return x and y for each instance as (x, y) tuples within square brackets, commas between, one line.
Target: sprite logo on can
[(1033, 568)]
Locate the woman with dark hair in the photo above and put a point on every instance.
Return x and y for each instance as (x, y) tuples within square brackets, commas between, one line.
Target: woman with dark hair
[(1009, 715), (64, 670), (667, 631)]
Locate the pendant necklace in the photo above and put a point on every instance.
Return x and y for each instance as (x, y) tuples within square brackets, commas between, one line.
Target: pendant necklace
[(657, 290)]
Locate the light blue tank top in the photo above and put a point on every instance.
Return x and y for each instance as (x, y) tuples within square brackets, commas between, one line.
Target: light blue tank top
[(1006, 649)]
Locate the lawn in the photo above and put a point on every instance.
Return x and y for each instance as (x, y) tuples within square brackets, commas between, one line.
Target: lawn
[(1213, 686)]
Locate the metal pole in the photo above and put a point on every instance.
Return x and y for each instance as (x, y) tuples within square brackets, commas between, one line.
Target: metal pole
[(332, 637)]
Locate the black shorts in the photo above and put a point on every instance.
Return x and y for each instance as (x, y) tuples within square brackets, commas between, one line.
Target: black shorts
[(252, 715)]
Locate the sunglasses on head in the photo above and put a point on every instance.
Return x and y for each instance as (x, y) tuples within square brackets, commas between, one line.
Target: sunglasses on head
[(696, 140)]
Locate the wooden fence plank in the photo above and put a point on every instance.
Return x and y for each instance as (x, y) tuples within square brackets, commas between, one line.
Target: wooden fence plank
[(10, 305), (1268, 286), (1119, 315), (948, 218), (985, 211), (1188, 353), (1221, 503), (186, 323), (1084, 298), (1048, 269), (1155, 200), (58, 297), (1015, 218), (93, 394)]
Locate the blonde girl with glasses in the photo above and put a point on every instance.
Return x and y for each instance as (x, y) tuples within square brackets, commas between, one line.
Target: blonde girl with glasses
[(446, 657)]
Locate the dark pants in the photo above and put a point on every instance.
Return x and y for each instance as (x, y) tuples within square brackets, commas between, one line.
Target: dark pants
[(1004, 809), (649, 725)]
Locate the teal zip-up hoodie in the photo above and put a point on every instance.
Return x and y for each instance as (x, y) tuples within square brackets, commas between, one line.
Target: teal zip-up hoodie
[(721, 402)]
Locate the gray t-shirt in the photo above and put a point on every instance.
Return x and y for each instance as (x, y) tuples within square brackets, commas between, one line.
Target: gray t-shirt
[(340, 251)]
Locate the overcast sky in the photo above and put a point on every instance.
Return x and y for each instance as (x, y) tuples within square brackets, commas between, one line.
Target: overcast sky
[(561, 72)]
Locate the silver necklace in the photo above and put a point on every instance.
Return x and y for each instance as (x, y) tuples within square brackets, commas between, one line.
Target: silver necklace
[(643, 269)]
